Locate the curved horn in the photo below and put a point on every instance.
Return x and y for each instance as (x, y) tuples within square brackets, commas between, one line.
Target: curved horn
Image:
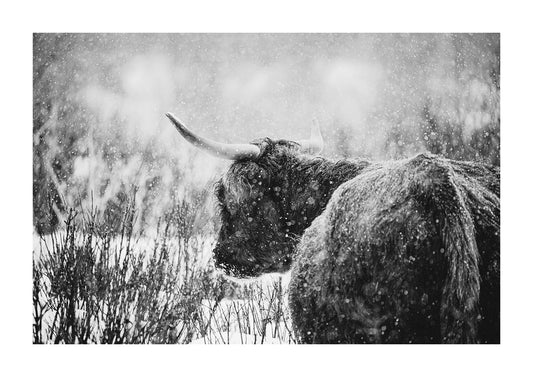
[(229, 151), (315, 143)]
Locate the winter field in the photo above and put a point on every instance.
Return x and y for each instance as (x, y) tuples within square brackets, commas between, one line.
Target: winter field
[(124, 213), (91, 287)]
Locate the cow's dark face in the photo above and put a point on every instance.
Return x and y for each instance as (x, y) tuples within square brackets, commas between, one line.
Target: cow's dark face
[(254, 237), (261, 215)]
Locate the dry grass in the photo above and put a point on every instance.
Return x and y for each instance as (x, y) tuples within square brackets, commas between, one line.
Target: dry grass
[(94, 285)]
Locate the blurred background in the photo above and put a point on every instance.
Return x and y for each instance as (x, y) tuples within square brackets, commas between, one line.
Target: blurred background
[(100, 136)]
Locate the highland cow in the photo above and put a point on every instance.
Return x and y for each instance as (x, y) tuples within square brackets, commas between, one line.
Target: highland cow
[(402, 251)]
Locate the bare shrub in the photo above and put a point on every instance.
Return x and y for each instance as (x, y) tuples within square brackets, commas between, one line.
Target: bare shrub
[(94, 285)]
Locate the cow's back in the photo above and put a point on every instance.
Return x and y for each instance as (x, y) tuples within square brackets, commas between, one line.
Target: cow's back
[(373, 266)]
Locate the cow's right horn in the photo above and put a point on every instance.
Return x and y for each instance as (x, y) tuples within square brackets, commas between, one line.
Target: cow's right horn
[(315, 143), (235, 152)]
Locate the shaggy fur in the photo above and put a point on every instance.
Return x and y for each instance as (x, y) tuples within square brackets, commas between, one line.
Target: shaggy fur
[(398, 252)]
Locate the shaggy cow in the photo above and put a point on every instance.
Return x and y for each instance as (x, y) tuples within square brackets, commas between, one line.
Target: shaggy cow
[(381, 252)]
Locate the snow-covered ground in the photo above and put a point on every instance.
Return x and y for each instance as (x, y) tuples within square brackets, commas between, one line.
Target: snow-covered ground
[(262, 317), (255, 312)]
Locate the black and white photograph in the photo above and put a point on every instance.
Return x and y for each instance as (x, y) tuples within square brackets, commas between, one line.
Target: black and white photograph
[(266, 188)]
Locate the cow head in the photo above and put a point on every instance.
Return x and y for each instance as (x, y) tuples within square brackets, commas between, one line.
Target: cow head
[(261, 217)]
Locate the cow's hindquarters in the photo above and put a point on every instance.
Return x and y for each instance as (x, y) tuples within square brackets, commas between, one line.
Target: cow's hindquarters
[(392, 259)]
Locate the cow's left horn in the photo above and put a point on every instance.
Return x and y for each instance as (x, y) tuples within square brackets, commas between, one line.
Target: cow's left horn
[(315, 143), (235, 152)]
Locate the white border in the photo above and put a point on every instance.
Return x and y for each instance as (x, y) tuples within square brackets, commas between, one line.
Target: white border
[(20, 357)]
